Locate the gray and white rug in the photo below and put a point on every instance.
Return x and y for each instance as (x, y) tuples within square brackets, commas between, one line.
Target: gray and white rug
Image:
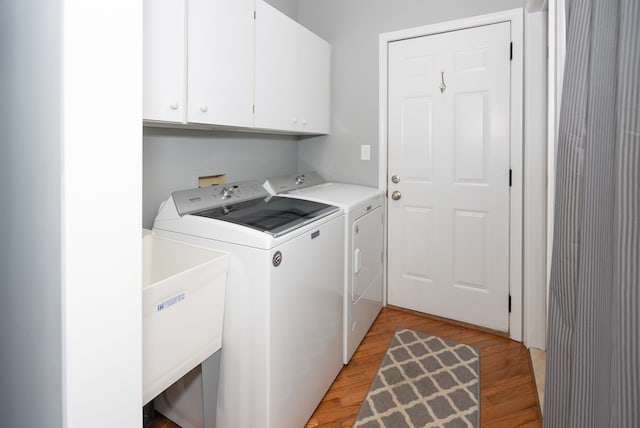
[(423, 381)]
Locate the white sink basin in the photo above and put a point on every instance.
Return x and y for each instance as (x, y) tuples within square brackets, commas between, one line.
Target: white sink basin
[(183, 291)]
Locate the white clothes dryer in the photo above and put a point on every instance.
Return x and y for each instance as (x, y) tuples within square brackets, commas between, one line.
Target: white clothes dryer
[(282, 333), (363, 209)]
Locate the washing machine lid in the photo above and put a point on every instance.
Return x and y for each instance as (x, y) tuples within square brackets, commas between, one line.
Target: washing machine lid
[(248, 204), (273, 215)]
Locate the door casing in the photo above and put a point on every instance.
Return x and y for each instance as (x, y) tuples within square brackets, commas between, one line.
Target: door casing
[(515, 17)]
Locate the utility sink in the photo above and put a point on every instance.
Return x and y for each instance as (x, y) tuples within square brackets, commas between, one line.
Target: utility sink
[(183, 292)]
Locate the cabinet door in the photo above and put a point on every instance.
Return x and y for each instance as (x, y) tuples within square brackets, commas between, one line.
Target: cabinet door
[(164, 34), (313, 71), (275, 79), (292, 75), (220, 62)]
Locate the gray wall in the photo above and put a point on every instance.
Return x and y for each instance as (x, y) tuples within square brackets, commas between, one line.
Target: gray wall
[(30, 214), (352, 27), (174, 158), (288, 7)]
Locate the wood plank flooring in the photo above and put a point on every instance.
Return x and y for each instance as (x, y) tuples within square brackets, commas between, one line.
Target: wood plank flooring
[(507, 387)]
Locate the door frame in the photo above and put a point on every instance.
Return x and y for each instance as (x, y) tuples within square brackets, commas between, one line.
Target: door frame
[(515, 17)]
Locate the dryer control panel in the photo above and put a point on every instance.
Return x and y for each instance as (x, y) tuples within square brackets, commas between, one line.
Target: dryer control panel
[(286, 183)]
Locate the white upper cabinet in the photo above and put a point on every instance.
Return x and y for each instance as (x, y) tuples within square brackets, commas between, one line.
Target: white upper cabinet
[(276, 60), (209, 62), (291, 75), (220, 62), (164, 60), (313, 82)]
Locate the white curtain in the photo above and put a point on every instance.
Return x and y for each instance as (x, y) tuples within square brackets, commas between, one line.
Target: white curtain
[(593, 351)]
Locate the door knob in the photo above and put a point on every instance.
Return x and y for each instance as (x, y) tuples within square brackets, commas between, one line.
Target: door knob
[(396, 195), (395, 179)]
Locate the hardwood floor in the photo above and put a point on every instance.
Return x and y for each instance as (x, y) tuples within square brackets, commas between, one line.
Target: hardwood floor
[(507, 388)]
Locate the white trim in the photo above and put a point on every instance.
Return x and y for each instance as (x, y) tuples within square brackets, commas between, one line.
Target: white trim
[(515, 17), (535, 181), (556, 44), (382, 149)]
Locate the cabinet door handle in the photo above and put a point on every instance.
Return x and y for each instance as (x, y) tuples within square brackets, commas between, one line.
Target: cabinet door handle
[(304, 122), (204, 108), (294, 119), (174, 105)]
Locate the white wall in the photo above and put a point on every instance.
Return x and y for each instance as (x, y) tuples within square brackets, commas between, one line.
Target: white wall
[(352, 28), (70, 174), (174, 158), (102, 191), (30, 214)]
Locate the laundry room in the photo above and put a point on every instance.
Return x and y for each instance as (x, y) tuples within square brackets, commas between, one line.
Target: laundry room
[(249, 137), (302, 128), (319, 213)]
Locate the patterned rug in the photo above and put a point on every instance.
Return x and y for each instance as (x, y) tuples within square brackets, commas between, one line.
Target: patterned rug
[(423, 381)]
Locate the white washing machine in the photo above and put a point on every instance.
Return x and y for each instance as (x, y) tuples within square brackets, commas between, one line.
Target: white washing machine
[(282, 334), (363, 245)]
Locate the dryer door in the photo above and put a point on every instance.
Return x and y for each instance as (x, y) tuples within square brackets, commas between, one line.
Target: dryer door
[(367, 252)]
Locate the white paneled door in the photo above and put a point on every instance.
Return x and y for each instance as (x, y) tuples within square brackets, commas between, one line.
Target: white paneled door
[(448, 168)]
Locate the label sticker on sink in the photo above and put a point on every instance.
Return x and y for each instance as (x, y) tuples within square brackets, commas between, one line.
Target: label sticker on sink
[(170, 302)]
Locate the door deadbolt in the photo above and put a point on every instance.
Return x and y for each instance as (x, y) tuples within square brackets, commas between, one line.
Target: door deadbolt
[(396, 195), (395, 179)]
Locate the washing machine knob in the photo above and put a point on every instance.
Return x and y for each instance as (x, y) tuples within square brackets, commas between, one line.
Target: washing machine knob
[(227, 192)]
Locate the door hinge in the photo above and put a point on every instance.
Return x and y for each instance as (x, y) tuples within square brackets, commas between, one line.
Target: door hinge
[(511, 51), (254, 109), (510, 177), (254, 15), (509, 303)]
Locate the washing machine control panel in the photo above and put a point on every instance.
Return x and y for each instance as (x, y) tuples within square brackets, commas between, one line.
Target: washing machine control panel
[(216, 195)]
